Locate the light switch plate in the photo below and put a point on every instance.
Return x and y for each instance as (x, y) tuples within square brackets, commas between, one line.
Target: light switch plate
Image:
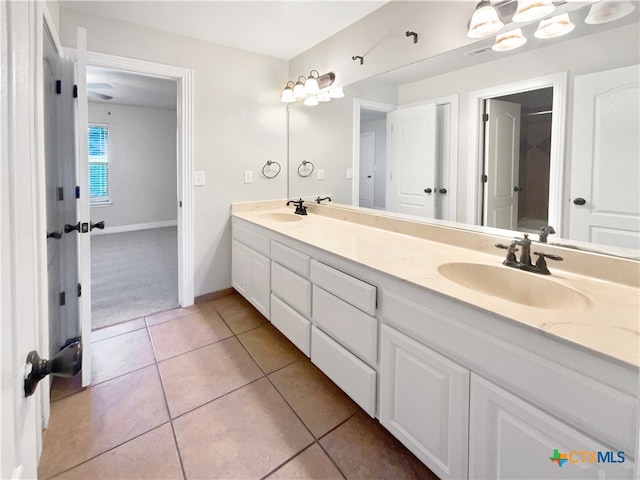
[(349, 172), (199, 178), (248, 176), (320, 174)]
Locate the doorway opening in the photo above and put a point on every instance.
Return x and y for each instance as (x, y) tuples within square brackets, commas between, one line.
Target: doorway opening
[(506, 180), (133, 189), (517, 159)]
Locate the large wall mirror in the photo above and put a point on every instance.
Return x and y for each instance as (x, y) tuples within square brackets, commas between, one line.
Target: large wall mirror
[(544, 135)]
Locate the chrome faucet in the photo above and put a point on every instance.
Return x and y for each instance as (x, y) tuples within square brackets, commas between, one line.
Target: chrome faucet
[(525, 257)]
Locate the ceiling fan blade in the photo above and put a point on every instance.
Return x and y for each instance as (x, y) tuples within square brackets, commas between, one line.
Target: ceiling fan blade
[(99, 95), (104, 86)]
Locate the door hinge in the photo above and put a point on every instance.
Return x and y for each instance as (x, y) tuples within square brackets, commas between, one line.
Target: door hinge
[(79, 289), (58, 87), (483, 179), (75, 91), (77, 191), (485, 117), (63, 298), (60, 193)]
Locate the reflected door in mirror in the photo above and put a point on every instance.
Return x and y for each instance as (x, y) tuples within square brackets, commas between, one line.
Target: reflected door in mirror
[(606, 153)]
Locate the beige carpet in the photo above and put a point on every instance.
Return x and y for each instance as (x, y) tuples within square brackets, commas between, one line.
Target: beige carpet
[(133, 274)]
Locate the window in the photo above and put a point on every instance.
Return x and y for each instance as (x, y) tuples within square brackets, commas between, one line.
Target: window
[(98, 164)]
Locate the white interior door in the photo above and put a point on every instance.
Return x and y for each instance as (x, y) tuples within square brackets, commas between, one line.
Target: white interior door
[(20, 242), (502, 159), (605, 203), (367, 168), (82, 178), (411, 133)]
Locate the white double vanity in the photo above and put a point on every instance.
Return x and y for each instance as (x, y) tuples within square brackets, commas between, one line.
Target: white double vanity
[(481, 370)]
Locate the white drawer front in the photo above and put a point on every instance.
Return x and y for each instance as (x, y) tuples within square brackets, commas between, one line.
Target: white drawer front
[(292, 288), (290, 258), (352, 328), (350, 374), (251, 239), (350, 289), (292, 325)]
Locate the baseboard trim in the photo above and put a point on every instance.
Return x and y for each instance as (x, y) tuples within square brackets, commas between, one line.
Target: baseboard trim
[(214, 295), (135, 227)]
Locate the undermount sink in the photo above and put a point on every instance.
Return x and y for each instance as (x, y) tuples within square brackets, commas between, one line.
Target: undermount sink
[(280, 217), (516, 286)]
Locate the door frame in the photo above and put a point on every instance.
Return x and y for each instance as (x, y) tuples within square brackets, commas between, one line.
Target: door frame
[(358, 105), (558, 131), (185, 107)]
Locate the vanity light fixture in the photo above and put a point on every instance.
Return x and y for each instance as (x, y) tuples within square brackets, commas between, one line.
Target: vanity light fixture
[(312, 89), (532, 10), (311, 101), (299, 91), (555, 26), (484, 21), (509, 41), (311, 83), (608, 11), (287, 93), (337, 92)]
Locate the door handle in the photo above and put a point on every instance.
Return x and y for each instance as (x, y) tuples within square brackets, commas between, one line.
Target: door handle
[(66, 363), (517, 189), (99, 225), (70, 228), (442, 190), (368, 176), (427, 190), (579, 201), (56, 234)]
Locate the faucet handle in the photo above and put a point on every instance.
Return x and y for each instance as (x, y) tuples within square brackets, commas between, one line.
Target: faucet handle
[(541, 264), (511, 253)]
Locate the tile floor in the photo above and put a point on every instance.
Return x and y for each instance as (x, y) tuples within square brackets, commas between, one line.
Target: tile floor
[(212, 391)]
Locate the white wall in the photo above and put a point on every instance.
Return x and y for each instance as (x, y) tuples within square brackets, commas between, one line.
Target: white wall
[(239, 124), (142, 164), (380, 38)]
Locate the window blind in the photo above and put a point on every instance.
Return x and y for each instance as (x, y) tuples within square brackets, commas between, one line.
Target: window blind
[(98, 163)]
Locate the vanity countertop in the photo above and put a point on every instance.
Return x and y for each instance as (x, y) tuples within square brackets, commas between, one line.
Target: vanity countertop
[(608, 321)]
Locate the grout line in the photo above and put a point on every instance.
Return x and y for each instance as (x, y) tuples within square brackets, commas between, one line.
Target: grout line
[(108, 450), (173, 431)]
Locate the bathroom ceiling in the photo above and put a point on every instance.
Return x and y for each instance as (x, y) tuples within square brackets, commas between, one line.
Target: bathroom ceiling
[(281, 29)]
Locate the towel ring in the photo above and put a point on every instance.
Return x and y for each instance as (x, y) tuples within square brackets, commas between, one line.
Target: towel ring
[(304, 163), (268, 164)]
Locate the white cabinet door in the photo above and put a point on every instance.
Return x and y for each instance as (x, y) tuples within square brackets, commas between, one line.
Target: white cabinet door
[(424, 402), (260, 283), (240, 268), (512, 439), (251, 276)]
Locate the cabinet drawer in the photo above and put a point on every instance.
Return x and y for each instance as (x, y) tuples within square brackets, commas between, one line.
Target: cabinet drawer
[(292, 288), (350, 374), (295, 261), (251, 239), (352, 328), (350, 289), (292, 325)]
